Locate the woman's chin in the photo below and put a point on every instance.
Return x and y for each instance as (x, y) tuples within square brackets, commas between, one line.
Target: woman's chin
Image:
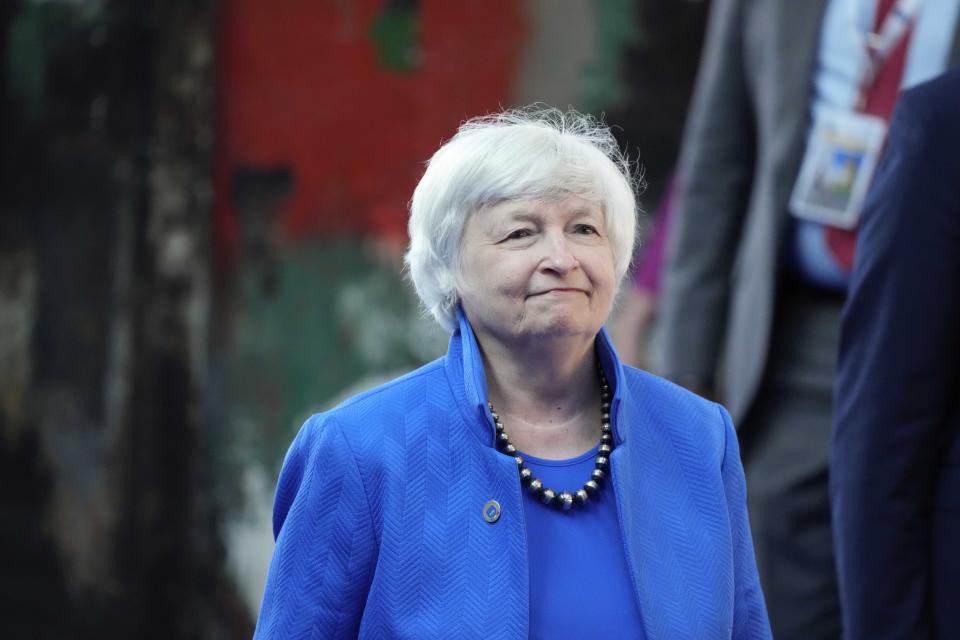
[(558, 326)]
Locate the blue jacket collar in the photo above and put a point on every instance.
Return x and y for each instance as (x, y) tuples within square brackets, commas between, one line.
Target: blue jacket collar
[(464, 367)]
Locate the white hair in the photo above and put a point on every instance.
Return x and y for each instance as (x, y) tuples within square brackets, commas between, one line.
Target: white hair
[(530, 153)]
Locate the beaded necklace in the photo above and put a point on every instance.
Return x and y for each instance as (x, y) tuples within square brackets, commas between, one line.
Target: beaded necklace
[(565, 500)]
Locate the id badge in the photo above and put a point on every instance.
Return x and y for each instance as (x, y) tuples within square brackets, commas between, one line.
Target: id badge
[(841, 157)]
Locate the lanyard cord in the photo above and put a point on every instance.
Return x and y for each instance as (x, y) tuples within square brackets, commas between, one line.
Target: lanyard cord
[(879, 44)]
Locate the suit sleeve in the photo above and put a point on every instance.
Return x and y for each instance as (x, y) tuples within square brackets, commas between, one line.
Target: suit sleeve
[(750, 619), (716, 171), (325, 550), (898, 374)]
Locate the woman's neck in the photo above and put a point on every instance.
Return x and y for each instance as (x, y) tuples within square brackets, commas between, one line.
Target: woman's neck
[(548, 397)]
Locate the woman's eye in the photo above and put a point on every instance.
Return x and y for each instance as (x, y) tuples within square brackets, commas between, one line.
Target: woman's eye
[(586, 229), (519, 234)]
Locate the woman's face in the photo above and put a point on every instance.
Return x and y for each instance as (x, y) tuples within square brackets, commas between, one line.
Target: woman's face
[(536, 269)]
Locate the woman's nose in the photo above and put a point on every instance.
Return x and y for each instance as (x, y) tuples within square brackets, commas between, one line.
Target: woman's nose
[(559, 257)]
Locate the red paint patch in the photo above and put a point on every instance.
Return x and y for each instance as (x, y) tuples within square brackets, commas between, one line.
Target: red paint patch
[(301, 85)]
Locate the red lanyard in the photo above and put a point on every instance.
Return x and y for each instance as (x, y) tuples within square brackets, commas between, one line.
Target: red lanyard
[(879, 44)]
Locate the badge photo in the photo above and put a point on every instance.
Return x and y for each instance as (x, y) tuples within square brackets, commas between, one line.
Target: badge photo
[(837, 168)]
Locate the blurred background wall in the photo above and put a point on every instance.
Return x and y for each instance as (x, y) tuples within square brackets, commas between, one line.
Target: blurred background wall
[(202, 219)]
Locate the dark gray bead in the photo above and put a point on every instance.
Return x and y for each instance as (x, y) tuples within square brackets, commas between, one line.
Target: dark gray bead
[(510, 449), (518, 460), (499, 424), (591, 487), (581, 496), (526, 475), (597, 475), (602, 462), (606, 438), (536, 486), (565, 500), (502, 438), (547, 496), (606, 427), (604, 450)]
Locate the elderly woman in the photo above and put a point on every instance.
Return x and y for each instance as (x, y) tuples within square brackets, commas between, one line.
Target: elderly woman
[(527, 484)]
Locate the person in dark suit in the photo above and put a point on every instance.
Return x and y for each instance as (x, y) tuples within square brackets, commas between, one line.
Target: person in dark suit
[(895, 467)]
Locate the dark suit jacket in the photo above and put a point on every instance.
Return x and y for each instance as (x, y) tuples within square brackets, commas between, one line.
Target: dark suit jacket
[(743, 146), (895, 471)]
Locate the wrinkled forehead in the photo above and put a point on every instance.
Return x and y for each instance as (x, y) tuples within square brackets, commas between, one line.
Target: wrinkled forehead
[(570, 204), (555, 209)]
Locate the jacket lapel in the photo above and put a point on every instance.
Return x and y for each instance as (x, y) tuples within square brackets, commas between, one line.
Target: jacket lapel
[(681, 575), (792, 48)]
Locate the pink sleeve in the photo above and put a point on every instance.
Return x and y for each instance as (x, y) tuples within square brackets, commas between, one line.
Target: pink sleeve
[(646, 275)]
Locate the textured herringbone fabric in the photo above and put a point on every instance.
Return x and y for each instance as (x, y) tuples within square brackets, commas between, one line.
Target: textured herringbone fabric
[(380, 534)]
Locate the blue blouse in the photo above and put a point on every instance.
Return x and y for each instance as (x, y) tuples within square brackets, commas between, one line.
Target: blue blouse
[(579, 583)]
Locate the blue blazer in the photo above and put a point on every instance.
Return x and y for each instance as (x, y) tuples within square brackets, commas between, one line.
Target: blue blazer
[(380, 532), (895, 470)]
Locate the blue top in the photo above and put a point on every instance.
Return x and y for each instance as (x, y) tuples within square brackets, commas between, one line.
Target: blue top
[(579, 583), (380, 527)]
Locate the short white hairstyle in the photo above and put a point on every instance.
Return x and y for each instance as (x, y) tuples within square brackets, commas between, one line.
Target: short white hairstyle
[(535, 152)]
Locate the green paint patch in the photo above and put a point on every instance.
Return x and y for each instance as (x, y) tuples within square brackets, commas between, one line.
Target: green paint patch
[(394, 34), (336, 322), (617, 29)]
